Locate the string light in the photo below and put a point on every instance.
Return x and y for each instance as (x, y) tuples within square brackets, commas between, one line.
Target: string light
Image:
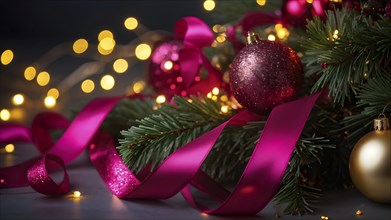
[(131, 23), (50, 102), (143, 51), (9, 148), (43, 78), (87, 86), (281, 32), (160, 99), (359, 212), (6, 57), (221, 38), (215, 91), (310, 1), (323, 217), (224, 108), (271, 37), (105, 34), (76, 194), (80, 46), (103, 51), (209, 95), (216, 28), (168, 65), (30, 73), (120, 65), (224, 98), (261, 2), (107, 82), (53, 92), (209, 5), (18, 99), (5, 115), (107, 43), (138, 87), (335, 35)]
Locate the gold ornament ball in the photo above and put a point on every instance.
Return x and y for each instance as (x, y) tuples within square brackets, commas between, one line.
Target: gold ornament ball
[(370, 163)]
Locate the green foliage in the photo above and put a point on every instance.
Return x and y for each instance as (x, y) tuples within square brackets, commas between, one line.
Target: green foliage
[(157, 136), (352, 47)]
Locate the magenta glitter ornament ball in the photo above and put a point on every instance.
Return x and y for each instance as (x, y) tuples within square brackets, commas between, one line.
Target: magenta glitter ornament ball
[(265, 74), (164, 69)]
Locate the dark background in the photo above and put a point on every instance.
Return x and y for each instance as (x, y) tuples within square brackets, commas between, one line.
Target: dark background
[(32, 28)]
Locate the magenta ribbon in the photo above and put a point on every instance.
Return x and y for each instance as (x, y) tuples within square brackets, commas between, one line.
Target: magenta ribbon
[(195, 35), (256, 187)]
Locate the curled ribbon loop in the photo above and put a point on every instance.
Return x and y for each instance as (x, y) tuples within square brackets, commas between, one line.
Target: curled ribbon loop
[(195, 35), (39, 179)]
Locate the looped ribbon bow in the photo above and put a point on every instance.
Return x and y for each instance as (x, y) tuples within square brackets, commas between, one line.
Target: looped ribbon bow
[(256, 187), (195, 35)]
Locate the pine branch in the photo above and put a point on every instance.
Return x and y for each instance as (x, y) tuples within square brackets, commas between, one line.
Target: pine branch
[(352, 47), (157, 136), (125, 114)]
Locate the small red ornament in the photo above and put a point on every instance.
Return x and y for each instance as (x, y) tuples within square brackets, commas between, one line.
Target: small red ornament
[(295, 12), (265, 74), (164, 69)]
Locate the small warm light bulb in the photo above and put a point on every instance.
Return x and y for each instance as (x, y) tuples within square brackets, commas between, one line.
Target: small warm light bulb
[(209, 95), (107, 82), (105, 34), (49, 102), (131, 23), (87, 86), (224, 108), (310, 1), (76, 194), (335, 35), (359, 212), (103, 51), (221, 38), (168, 65), (160, 99), (29, 73), (209, 5), (143, 51), (18, 99), (6, 57), (214, 98), (120, 65), (224, 98), (216, 28), (80, 46), (9, 148), (323, 217), (215, 91), (53, 92), (5, 115), (261, 2), (138, 87), (271, 37), (43, 78)]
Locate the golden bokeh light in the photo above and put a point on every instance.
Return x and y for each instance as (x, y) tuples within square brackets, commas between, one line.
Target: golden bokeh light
[(53, 92), (18, 99), (209, 5), (5, 115), (216, 28), (138, 87), (160, 99), (105, 34), (107, 82), (50, 102), (30, 73), (120, 65), (9, 148), (309, 1), (224, 108), (43, 78), (87, 86), (6, 57), (103, 51), (215, 91), (168, 65), (76, 194), (261, 2), (107, 43), (131, 23), (271, 37), (143, 51), (80, 46)]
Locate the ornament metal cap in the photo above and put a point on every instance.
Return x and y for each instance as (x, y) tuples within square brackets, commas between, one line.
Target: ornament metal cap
[(381, 123), (252, 38)]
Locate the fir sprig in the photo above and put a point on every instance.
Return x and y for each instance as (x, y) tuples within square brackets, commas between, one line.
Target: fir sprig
[(350, 47), (157, 136)]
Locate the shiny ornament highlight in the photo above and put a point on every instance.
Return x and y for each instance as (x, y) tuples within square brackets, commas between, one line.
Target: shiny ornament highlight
[(265, 74), (370, 162)]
